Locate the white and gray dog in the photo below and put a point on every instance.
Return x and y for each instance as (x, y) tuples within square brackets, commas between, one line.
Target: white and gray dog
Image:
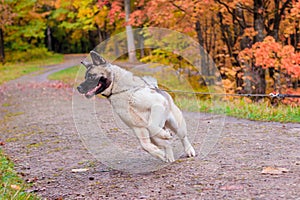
[(142, 106)]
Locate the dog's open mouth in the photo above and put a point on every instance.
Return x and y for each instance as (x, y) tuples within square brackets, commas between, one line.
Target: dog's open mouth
[(93, 91)]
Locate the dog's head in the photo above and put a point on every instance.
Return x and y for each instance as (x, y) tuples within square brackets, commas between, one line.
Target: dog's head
[(97, 78)]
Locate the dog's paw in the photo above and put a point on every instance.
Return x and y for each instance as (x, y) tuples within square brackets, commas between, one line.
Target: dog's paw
[(190, 151), (169, 158)]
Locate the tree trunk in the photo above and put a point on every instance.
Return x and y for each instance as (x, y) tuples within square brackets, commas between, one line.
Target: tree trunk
[(245, 42), (204, 64), (278, 12), (259, 20), (297, 39), (224, 29), (258, 85), (129, 33), (2, 55), (101, 39), (49, 38)]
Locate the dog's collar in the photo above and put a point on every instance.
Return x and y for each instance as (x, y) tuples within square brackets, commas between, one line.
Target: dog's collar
[(134, 88)]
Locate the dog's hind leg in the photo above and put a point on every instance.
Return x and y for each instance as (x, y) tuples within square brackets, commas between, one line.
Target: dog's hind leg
[(144, 138), (157, 121), (178, 125)]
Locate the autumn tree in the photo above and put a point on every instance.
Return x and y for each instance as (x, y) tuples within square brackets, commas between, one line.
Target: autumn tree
[(271, 54), (6, 19), (240, 31), (195, 18), (26, 33), (226, 29)]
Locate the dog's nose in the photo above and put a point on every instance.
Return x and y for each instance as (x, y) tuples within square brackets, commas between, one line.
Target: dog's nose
[(79, 88)]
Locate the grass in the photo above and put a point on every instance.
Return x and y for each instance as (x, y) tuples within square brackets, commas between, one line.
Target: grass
[(263, 111), (11, 185), (67, 75), (10, 71), (239, 107)]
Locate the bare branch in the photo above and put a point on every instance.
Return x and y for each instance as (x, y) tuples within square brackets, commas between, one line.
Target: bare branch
[(232, 13), (177, 6)]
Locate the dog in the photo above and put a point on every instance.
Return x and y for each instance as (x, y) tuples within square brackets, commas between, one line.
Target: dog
[(141, 105)]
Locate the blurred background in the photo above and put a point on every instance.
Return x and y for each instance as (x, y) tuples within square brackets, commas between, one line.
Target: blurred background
[(255, 44)]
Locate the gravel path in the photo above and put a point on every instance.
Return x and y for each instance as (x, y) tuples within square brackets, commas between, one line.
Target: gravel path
[(45, 125)]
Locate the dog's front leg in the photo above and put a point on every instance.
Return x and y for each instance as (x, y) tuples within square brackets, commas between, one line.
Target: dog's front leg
[(144, 138)]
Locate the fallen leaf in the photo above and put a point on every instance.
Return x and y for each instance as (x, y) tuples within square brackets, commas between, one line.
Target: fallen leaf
[(274, 170), (15, 187), (80, 170)]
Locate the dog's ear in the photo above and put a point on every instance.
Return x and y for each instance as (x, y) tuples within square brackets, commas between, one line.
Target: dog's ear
[(86, 64), (97, 59)]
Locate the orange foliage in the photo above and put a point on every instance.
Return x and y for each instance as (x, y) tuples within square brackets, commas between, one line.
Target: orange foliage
[(270, 53), (292, 101), (178, 15), (295, 11), (116, 11)]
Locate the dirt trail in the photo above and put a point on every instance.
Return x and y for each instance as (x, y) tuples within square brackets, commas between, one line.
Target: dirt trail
[(37, 126)]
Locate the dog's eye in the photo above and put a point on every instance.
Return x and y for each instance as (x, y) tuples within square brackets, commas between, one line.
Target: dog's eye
[(91, 76)]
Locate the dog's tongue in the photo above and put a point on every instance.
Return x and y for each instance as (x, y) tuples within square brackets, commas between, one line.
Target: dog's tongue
[(92, 92)]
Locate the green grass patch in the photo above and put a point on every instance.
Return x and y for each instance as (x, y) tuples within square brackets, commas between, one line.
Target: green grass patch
[(261, 111), (11, 185), (240, 108), (10, 71), (67, 75)]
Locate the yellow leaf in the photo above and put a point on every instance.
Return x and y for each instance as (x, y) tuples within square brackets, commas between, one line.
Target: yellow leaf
[(274, 170), (15, 187)]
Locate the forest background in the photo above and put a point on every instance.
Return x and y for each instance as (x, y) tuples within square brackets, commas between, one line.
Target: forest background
[(255, 44)]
